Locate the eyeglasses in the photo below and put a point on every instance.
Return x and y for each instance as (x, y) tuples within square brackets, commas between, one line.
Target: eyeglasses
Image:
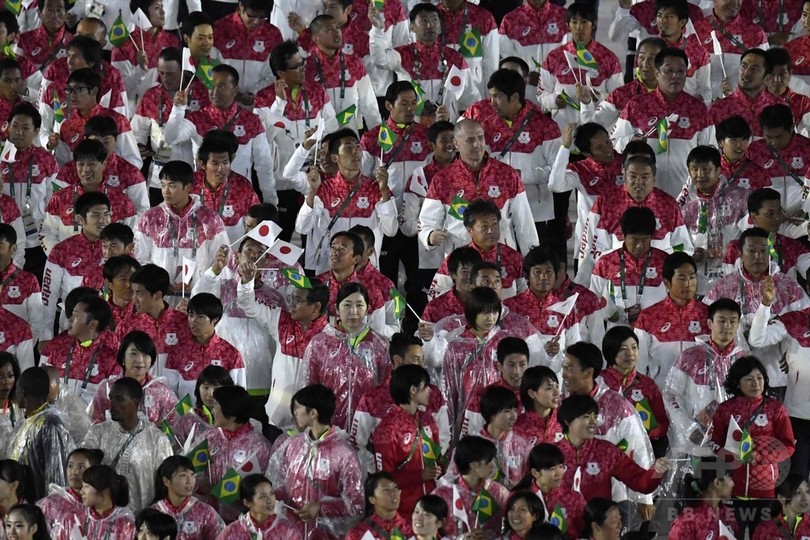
[(299, 65), (70, 90), (254, 17)]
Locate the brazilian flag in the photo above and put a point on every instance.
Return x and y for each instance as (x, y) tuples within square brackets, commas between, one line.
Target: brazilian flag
[(346, 115), (200, 456), (295, 277), (746, 446), (622, 445), (386, 138), (571, 102), (662, 127), (646, 413), (227, 489), (470, 46), (379, 4), (585, 58), (457, 208), (204, 71), (8, 50), (420, 98), (399, 302), (14, 6), (557, 519), (184, 406), (396, 534), (431, 452), (167, 429), (118, 32), (58, 110), (484, 505)]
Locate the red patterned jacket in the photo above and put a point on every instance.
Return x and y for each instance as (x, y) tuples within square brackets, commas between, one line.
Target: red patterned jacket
[(793, 160), (187, 359), (740, 104), (42, 49), (247, 51), (509, 260), (84, 367), (531, 34), (231, 200), (699, 522), (636, 387)]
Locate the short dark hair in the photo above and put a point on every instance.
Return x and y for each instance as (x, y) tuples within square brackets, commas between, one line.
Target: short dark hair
[(739, 369), (318, 397), (573, 407), (41, 5), (584, 133), (757, 199), (532, 379), (91, 51), (655, 41), (399, 87), (153, 278), (213, 375), (227, 70), (524, 67), (26, 109), (77, 295), (171, 54), (476, 269), (733, 127), (357, 242), (218, 141), (679, 6), (533, 503), (588, 355), (177, 171), (481, 300), (403, 378), (612, 342), (160, 524), (90, 150), (753, 232), (638, 220), (365, 233), (319, 293), (670, 52), (234, 402), (370, 486), (511, 345), (704, 154), (130, 387), (478, 208), (192, 21), (337, 136), (462, 256), (438, 128), (400, 342), (249, 485), (756, 51), (8, 234), (103, 477), (420, 8), (471, 449), (777, 56), (114, 265), (596, 513), (642, 161), (724, 304), (348, 289), (776, 116), (509, 82), (263, 212), (9, 20), (496, 399), (637, 148), (538, 256), (143, 343), (673, 261), (586, 10), (118, 231), (280, 56), (319, 22), (97, 310), (206, 304), (101, 126), (35, 383)]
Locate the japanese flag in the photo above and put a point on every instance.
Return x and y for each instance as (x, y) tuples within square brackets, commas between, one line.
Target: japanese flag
[(187, 60), (278, 122), (9, 152), (725, 532), (285, 252), (188, 269), (566, 306), (142, 20), (733, 437), (318, 135), (265, 232), (250, 466), (458, 508), (455, 82)]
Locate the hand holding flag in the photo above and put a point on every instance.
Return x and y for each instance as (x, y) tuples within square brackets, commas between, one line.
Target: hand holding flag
[(458, 508), (457, 208), (386, 138)]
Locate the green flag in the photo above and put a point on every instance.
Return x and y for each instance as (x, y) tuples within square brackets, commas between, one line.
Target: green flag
[(662, 127), (14, 6), (58, 110), (557, 519), (484, 505), (8, 50), (205, 73), (294, 276), (227, 489), (646, 413), (118, 32), (166, 428), (345, 116), (457, 208), (379, 4), (184, 406), (470, 46), (746, 446), (420, 98), (200, 456), (386, 138), (431, 452), (585, 58), (571, 102), (399, 302)]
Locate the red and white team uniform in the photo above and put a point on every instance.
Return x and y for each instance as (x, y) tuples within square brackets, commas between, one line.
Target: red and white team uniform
[(158, 400), (10, 215), (413, 197), (664, 331), (539, 429), (511, 458), (324, 470), (472, 18), (772, 15), (382, 529), (444, 305), (567, 502), (800, 108), (113, 93), (509, 260), (636, 387), (608, 111), (448, 485), (119, 175), (42, 48), (60, 221), (125, 59), (745, 174), (777, 527), (16, 338), (497, 182), (378, 292), (799, 51), (247, 51), (704, 520), (20, 294), (792, 255), (366, 208), (74, 262), (231, 201), (187, 359), (60, 507), (529, 144), (588, 314), (531, 34), (246, 528), (740, 104), (165, 331), (640, 18), (84, 368), (692, 128), (557, 77), (254, 151), (117, 523), (698, 72), (625, 282), (194, 518), (786, 169), (473, 419), (198, 93), (164, 238)]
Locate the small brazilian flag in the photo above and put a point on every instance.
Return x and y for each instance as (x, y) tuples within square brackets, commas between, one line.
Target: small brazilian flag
[(14, 6), (420, 98), (184, 406), (772, 248), (386, 138), (662, 127), (346, 115), (703, 217), (470, 46), (646, 413), (118, 33), (557, 519), (58, 110), (396, 534), (166, 428), (8, 51), (431, 452), (746, 446), (571, 102), (200, 456), (585, 58), (484, 505), (677, 248), (457, 208), (379, 4), (622, 445), (205, 73), (399, 302), (294, 276), (227, 489)]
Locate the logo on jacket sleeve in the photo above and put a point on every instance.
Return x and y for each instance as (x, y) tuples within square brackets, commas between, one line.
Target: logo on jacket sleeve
[(230, 44), (526, 31)]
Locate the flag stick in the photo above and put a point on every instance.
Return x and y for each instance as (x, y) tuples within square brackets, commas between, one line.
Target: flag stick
[(262, 255), (317, 151), (238, 240), (182, 72), (134, 43), (382, 153), (562, 324), (653, 130), (143, 48), (182, 287), (414, 312)]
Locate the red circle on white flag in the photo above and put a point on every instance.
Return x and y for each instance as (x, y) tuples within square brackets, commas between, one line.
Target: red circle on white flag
[(247, 467), (284, 250), (279, 125), (455, 80), (459, 504), (264, 230), (185, 269), (737, 435)]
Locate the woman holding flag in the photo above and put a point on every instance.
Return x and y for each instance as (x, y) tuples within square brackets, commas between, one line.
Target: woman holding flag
[(756, 430), (261, 520), (705, 489)]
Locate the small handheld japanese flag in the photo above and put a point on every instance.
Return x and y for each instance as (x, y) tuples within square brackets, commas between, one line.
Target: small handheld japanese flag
[(142, 20), (725, 532), (565, 307), (455, 82), (458, 508), (250, 466), (188, 269), (265, 232), (187, 66), (76, 531), (9, 152), (718, 50), (318, 135), (285, 252)]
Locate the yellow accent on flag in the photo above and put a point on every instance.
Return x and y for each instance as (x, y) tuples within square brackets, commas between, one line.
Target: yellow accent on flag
[(484, 505), (386, 138), (662, 127), (746, 446), (294, 276), (457, 208), (58, 110), (431, 452), (645, 411), (227, 489), (585, 58), (205, 73), (557, 519), (420, 98), (184, 406), (14, 6), (470, 46), (399, 302), (118, 32), (345, 116), (200, 456)]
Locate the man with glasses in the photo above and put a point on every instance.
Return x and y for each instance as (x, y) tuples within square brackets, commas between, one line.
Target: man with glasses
[(245, 39), (225, 113)]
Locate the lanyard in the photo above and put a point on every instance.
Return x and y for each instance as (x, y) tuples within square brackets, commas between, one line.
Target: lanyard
[(305, 101), (395, 152), (739, 171), (319, 68), (28, 182), (516, 134), (176, 241), (789, 172), (784, 528), (222, 199), (75, 220), (54, 51), (712, 375), (417, 66), (379, 530), (229, 123), (9, 279), (642, 279), (734, 41), (126, 444), (87, 372), (761, 13)]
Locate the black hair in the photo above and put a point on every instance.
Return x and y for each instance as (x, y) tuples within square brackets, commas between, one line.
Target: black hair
[(471, 449), (90, 150), (533, 378), (538, 256), (8, 234), (9, 20), (218, 141), (339, 135), (613, 340), (88, 200), (586, 10), (753, 232), (357, 243), (704, 154), (319, 293), (8, 358), (263, 212), (533, 502), (234, 402), (476, 269), (673, 261), (280, 56), (227, 70), (348, 289), (101, 126), (77, 295), (403, 378), (462, 256), (679, 6), (104, 477), (118, 231), (192, 21), (114, 265), (776, 116), (524, 67), (26, 109), (756, 51), (170, 466), (159, 524), (171, 54), (32, 514), (545, 531), (637, 148), (142, 342), (788, 487), (638, 220), (400, 343), (206, 304), (92, 53), (481, 300), (366, 235), (249, 484), (437, 128), (655, 41), (396, 88), (35, 383), (97, 310), (372, 481), (436, 506), (733, 127), (776, 56), (511, 345), (496, 399), (596, 513), (573, 407), (262, 6), (757, 199), (213, 375), (153, 278), (177, 171), (94, 456), (584, 133), (479, 208), (742, 367), (542, 457), (724, 304), (319, 22), (588, 355), (12, 471), (705, 470), (420, 8), (131, 388), (509, 82), (318, 397), (639, 160), (670, 52), (65, 4)]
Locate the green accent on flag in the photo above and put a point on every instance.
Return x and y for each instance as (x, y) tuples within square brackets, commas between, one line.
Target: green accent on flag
[(8, 50), (58, 110), (585, 58), (772, 249), (396, 534), (204, 71), (662, 127), (227, 489), (457, 208), (703, 218), (298, 280), (746, 446), (431, 452), (166, 428), (184, 406), (118, 32), (386, 138), (574, 104), (622, 445), (470, 45), (14, 6), (55, 187), (557, 519), (345, 116), (537, 64), (379, 4), (677, 248), (200, 456), (399, 302), (647, 415), (420, 98), (484, 505)]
